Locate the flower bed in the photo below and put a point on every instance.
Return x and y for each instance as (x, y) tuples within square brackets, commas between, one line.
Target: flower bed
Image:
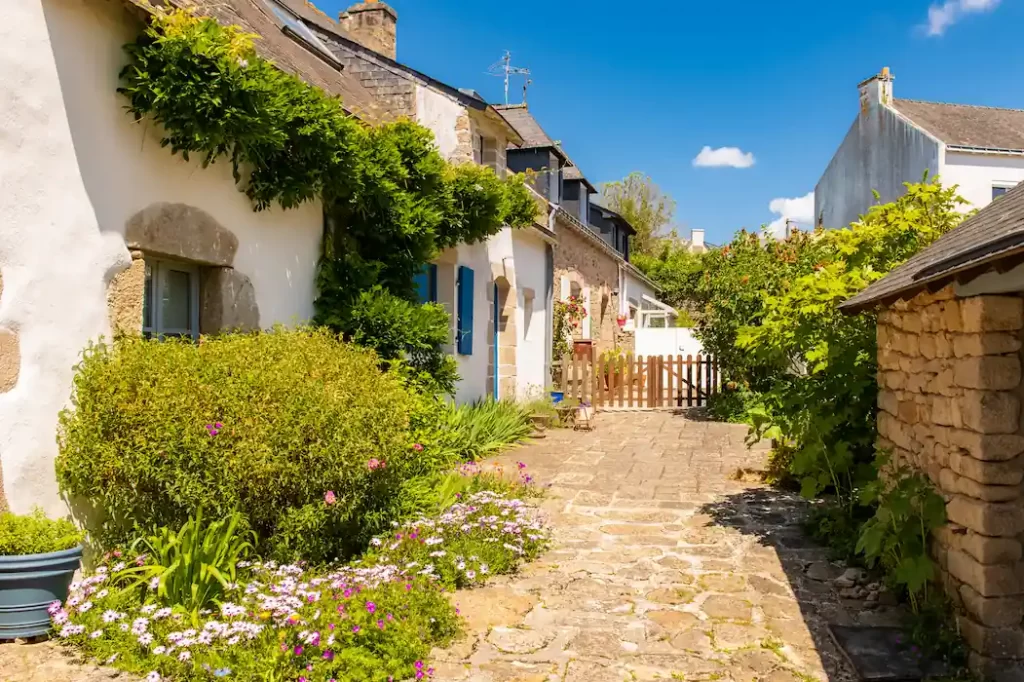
[(485, 533), (373, 620)]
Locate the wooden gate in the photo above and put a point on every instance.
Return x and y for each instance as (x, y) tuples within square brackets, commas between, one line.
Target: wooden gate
[(625, 381)]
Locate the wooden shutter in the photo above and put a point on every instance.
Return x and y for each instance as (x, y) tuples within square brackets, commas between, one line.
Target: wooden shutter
[(464, 330), (426, 284)]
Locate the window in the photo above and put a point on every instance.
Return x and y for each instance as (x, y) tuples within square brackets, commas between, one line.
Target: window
[(295, 26), (1000, 190), (170, 305)]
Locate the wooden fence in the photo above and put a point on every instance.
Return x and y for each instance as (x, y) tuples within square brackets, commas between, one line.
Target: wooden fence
[(655, 381)]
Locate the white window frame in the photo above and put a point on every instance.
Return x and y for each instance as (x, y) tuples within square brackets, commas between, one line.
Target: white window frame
[(154, 284)]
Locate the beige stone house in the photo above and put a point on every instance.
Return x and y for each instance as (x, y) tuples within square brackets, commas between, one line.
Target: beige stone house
[(591, 260), (950, 334)]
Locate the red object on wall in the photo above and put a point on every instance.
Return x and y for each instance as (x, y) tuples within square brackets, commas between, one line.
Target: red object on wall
[(583, 348)]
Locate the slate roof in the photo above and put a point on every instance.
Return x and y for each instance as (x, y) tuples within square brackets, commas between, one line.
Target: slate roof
[(992, 237), (288, 53), (963, 125), (520, 118)]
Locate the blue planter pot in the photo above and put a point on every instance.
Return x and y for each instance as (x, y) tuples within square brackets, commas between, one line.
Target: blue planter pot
[(29, 583), (557, 397)]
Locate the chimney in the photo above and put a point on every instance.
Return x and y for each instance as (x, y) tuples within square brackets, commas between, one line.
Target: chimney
[(696, 240), (372, 24), (876, 90)]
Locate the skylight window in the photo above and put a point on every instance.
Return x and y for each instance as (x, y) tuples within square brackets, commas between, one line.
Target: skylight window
[(298, 28)]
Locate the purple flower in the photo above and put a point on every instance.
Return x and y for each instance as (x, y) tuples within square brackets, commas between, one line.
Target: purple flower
[(520, 465), (329, 497), (419, 665), (298, 650), (328, 655), (355, 628), (380, 624), (371, 607)]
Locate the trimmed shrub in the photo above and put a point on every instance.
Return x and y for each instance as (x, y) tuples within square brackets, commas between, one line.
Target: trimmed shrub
[(267, 424), (35, 534)]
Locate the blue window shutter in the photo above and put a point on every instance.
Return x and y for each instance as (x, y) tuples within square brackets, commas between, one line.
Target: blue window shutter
[(426, 284), (464, 327)]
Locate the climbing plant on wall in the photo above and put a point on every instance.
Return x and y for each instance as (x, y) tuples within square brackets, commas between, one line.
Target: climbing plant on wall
[(391, 201)]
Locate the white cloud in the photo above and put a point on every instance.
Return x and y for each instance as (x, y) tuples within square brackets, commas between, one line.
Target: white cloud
[(733, 157), (799, 210), (944, 15)]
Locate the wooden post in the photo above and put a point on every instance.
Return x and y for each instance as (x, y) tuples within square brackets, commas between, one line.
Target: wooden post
[(696, 382), (710, 386), (620, 378), (575, 376), (689, 381), (565, 372), (714, 375), (629, 380)]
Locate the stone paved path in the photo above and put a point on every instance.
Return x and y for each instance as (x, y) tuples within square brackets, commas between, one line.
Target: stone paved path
[(664, 566)]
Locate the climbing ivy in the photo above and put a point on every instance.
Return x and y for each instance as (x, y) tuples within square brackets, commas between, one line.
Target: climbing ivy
[(391, 201)]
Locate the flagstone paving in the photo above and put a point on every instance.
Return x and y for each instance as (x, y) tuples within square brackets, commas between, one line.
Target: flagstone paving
[(668, 562)]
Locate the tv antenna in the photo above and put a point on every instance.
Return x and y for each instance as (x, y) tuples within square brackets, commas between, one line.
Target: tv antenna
[(503, 69)]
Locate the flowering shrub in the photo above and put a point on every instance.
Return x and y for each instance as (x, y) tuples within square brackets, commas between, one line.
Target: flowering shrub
[(484, 533), (567, 316), (278, 622), (262, 423), (371, 621)]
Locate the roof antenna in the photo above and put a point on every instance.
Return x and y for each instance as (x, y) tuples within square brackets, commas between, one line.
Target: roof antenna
[(503, 69)]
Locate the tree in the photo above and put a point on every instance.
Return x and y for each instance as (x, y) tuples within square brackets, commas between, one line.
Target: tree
[(641, 202)]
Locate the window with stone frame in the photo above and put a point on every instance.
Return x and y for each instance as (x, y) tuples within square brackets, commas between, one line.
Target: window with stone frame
[(170, 304)]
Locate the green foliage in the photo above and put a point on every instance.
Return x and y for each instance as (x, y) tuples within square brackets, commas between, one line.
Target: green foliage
[(392, 202), (408, 336), (821, 362), (472, 432), (644, 206), (909, 510), (193, 567), (677, 271), (566, 317), (36, 534), (264, 424)]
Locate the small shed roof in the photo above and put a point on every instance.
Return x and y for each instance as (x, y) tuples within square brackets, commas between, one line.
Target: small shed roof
[(991, 238)]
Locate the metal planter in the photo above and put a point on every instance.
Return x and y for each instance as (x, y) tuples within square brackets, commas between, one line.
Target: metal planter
[(29, 583)]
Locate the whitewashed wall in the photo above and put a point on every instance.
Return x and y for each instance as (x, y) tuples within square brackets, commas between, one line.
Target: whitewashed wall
[(667, 341), (977, 173), (74, 167), (532, 321)]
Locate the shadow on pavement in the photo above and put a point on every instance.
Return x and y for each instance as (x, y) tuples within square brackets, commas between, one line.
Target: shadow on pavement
[(774, 519)]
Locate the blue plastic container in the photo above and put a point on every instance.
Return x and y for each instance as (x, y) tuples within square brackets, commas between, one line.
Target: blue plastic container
[(29, 583), (557, 397)]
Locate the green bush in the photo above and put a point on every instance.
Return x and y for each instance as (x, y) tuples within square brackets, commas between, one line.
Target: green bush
[(404, 334), (36, 534), (267, 424)]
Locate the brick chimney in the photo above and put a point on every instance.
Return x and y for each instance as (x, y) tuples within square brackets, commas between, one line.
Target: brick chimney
[(372, 24), (876, 90)]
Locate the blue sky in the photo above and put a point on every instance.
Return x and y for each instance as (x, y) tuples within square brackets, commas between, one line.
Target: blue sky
[(646, 85)]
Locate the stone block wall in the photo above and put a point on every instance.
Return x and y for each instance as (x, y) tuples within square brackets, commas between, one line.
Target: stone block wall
[(588, 265), (949, 372)]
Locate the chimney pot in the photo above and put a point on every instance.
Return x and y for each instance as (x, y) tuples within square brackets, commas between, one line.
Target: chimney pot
[(697, 240), (372, 24)]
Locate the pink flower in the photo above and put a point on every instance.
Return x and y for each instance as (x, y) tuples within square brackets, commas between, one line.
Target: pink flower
[(329, 497), (371, 607), (417, 447), (298, 650), (380, 624), (355, 628), (328, 655), (520, 465)]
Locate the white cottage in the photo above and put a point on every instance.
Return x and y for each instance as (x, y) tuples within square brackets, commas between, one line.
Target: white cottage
[(893, 141), (102, 228)]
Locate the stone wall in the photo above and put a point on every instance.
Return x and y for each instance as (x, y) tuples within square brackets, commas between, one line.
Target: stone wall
[(950, 406), (588, 265)]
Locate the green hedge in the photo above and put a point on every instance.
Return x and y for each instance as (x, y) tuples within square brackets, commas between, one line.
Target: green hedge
[(263, 423)]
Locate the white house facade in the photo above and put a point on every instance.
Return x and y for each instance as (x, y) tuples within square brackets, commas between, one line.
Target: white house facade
[(102, 228), (894, 141)]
